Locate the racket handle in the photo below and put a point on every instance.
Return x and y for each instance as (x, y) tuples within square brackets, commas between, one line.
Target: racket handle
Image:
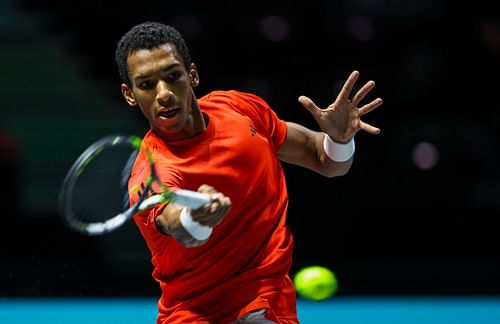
[(189, 198)]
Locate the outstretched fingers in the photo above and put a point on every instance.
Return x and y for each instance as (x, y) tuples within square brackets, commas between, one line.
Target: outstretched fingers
[(309, 105), (370, 106), (360, 95), (368, 128), (348, 85), (366, 109)]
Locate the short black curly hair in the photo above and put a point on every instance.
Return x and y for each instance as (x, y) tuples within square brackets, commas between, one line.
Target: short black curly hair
[(148, 35)]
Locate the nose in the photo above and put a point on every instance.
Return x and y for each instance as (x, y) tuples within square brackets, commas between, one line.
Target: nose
[(163, 92)]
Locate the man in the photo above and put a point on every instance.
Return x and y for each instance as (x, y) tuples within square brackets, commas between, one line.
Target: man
[(228, 261)]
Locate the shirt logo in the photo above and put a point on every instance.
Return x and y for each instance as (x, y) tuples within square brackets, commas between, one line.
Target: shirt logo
[(253, 130)]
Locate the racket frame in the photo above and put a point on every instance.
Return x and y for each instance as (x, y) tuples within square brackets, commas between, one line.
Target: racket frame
[(187, 198)]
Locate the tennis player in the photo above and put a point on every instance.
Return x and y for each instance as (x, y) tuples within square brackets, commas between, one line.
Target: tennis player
[(228, 261)]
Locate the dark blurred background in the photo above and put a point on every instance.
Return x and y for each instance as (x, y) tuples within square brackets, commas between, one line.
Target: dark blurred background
[(417, 214)]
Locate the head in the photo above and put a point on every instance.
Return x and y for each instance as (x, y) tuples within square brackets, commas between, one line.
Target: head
[(158, 76), (148, 35)]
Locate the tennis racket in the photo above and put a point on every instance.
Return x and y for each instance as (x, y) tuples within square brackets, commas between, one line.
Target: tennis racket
[(94, 196)]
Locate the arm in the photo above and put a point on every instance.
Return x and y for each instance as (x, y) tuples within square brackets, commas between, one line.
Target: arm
[(340, 121), (211, 214), (304, 147)]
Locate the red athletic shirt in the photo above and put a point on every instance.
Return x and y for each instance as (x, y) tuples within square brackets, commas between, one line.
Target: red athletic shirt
[(244, 265)]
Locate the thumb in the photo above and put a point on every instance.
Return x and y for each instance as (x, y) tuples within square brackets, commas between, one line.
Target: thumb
[(309, 105)]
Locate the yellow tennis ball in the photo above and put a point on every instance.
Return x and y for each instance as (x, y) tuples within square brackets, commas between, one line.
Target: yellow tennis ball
[(315, 283)]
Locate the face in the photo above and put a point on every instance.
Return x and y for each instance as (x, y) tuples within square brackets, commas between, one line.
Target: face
[(162, 88)]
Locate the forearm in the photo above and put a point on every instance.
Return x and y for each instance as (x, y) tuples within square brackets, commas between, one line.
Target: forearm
[(169, 222), (193, 227), (306, 148), (339, 156)]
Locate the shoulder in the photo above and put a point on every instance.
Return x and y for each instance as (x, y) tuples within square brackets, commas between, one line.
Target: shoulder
[(242, 102), (233, 97)]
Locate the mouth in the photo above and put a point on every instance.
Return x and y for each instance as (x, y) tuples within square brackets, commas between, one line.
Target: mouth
[(168, 113)]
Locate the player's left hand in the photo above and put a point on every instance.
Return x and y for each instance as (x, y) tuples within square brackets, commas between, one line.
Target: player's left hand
[(341, 120)]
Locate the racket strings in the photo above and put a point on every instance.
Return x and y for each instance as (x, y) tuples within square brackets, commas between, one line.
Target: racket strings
[(100, 186), (94, 198)]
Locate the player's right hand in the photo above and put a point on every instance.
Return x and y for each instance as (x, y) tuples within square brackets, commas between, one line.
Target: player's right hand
[(212, 213)]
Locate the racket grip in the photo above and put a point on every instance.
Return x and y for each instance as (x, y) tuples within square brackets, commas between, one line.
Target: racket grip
[(190, 199)]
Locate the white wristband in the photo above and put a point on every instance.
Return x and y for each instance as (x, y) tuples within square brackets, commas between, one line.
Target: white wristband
[(198, 231), (338, 152)]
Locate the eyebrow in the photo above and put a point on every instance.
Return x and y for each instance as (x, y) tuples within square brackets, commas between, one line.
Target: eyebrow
[(146, 75)]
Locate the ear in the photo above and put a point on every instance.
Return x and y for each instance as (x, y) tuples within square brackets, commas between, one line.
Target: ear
[(128, 94), (193, 74)]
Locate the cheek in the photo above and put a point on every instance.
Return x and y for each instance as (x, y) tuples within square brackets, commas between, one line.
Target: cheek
[(146, 106)]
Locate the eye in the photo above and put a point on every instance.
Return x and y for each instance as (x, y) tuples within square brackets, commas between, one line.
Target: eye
[(174, 76), (148, 84)]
